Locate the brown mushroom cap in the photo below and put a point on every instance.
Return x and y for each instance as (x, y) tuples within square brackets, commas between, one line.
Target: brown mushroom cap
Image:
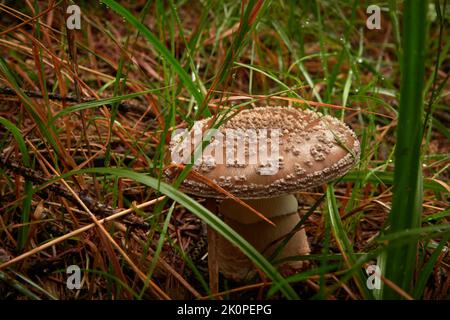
[(313, 149)]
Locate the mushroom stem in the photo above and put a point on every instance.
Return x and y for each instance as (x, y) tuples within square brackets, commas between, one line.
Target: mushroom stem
[(283, 211)]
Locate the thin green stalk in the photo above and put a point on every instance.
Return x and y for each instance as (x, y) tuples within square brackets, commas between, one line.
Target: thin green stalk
[(343, 241), (156, 256), (26, 208)]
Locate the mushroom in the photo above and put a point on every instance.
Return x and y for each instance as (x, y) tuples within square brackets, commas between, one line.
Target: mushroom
[(307, 149)]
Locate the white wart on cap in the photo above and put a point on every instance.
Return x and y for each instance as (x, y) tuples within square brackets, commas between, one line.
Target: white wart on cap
[(313, 149)]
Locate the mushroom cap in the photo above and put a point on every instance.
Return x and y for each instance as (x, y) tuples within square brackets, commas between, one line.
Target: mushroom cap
[(312, 149)]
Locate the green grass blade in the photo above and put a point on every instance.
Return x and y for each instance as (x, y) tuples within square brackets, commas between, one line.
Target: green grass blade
[(162, 239), (98, 103), (428, 268), (302, 276), (19, 139), (437, 216), (160, 47), (207, 216), (269, 75), (188, 54), (26, 209), (254, 10), (36, 286), (414, 234), (400, 262), (43, 127), (18, 286), (388, 179), (343, 242)]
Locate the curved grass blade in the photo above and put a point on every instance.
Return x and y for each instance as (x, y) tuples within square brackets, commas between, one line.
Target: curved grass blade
[(159, 247), (29, 106), (343, 241), (36, 286), (98, 103), (305, 275), (18, 286), (387, 178), (411, 235), (25, 217), (161, 48), (428, 268), (207, 216)]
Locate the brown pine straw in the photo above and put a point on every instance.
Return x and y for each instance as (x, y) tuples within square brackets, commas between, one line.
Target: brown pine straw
[(169, 268), (18, 26), (105, 232), (79, 231), (100, 226)]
